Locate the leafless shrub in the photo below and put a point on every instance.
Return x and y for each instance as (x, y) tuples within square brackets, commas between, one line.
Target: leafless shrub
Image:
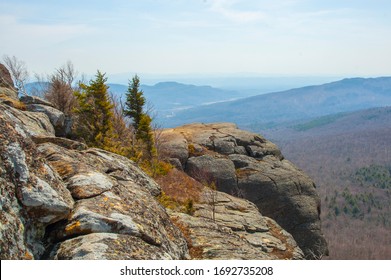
[(211, 193), (18, 71), (61, 86)]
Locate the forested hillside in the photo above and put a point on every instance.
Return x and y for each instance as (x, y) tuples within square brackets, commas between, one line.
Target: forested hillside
[(349, 157)]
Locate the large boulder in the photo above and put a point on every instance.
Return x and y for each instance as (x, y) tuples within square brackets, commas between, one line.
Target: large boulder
[(56, 117), (30, 100), (249, 166)]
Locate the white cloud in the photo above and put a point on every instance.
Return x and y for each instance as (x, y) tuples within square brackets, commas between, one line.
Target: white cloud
[(227, 9), (18, 32)]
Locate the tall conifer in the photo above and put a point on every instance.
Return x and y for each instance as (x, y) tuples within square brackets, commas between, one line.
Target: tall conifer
[(135, 102), (141, 122), (94, 112)]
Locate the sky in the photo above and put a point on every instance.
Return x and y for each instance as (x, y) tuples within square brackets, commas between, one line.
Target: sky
[(201, 37)]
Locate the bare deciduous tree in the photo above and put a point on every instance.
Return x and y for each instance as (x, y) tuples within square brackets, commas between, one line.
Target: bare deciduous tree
[(61, 87), (211, 193), (18, 72), (211, 196)]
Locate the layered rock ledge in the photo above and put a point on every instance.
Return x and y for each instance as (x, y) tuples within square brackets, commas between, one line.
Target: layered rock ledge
[(247, 165)]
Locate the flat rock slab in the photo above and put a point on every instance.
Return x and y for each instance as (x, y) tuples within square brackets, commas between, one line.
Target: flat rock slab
[(109, 246), (89, 184)]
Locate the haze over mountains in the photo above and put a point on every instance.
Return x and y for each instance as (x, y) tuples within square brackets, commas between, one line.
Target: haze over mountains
[(177, 104), (274, 109), (167, 98)]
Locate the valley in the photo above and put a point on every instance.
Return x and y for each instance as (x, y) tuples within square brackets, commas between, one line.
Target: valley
[(349, 158)]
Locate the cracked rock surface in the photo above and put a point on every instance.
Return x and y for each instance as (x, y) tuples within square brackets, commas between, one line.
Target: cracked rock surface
[(249, 166)]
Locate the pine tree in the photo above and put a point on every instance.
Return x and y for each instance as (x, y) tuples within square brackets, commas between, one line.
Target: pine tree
[(141, 122), (135, 102), (94, 112), (145, 135)]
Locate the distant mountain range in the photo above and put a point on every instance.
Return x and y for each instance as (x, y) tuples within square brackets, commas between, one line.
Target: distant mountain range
[(177, 103), (295, 105), (167, 98)]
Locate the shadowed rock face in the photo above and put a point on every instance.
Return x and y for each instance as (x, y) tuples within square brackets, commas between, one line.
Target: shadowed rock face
[(247, 165)]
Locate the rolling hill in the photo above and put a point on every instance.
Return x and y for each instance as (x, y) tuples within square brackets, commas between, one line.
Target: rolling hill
[(300, 104), (168, 98)]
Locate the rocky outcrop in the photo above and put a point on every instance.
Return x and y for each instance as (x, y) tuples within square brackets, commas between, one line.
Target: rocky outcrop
[(247, 165), (54, 197), (33, 195), (217, 225), (60, 199)]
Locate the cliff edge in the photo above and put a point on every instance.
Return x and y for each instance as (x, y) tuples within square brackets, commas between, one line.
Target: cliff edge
[(247, 165), (60, 199)]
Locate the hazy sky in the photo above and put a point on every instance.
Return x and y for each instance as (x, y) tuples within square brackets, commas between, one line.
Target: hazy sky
[(265, 37)]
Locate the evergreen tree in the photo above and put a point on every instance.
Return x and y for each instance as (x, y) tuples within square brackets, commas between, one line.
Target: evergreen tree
[(145, 135), (94, 112), (135, 102), (141, 122)]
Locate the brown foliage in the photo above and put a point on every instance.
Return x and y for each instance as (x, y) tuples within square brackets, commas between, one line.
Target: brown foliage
[(12, 102), (60, 94), (180, 187)]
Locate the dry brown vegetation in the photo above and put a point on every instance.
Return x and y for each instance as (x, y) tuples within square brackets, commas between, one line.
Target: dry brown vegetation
[(12, 102), (180, 187)]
